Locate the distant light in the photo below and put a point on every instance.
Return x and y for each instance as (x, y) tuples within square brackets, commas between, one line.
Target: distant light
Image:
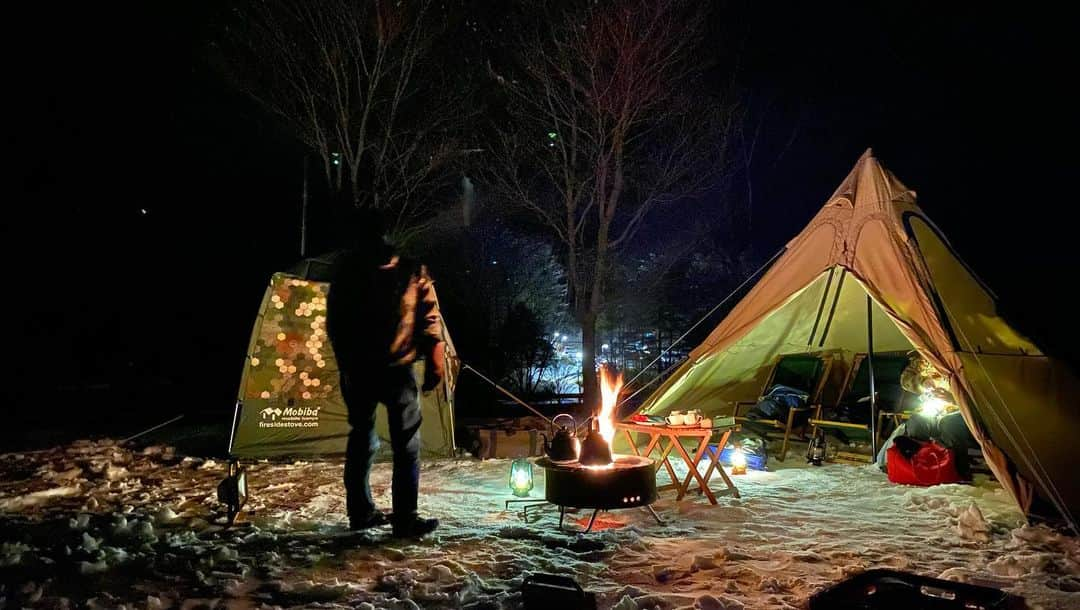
[(579, 355), (143, 211), (494, 262), (564, 337), (552, 135), (605, 346)]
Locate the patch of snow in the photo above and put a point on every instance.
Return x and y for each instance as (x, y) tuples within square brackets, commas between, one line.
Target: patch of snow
[(710, 602), (80, 522), (97, 567), (166, 516), (972, 525), (11, 553), (793, 532), (89, 543), (36, 499), (116, 473)]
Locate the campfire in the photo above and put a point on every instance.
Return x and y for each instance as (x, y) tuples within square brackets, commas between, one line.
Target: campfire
[(599, 479), (596, 448)]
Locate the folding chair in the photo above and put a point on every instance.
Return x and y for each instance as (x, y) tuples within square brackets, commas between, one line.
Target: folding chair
[(892, 400), (806, 372)]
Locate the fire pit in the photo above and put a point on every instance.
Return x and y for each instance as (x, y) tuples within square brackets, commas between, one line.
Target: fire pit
[(628, 482), (598, 479)]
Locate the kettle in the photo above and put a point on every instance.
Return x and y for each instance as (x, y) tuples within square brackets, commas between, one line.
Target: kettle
[(594, 449), (563, 447)]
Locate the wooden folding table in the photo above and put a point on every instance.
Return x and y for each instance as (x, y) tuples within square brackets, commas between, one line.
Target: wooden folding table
[(673, 435)]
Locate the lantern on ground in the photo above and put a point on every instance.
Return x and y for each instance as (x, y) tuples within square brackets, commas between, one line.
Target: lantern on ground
[(521, 477), (738, 461), (817, 449)]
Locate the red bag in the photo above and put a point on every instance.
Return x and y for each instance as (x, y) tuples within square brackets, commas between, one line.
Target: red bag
[(932, 464)]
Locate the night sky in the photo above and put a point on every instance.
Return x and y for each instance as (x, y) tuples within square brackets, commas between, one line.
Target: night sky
[(152, 200)]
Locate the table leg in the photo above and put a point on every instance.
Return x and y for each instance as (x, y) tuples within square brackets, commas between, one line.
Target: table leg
[(695, 474), (654, 438), (716, 464), (702, 447), (664, 459), (630, 441)]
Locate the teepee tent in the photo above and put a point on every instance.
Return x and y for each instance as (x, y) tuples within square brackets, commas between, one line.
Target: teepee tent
[(872, 239), (289, 402)]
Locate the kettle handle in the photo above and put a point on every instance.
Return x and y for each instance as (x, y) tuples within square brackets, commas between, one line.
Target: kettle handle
[(554, 419)]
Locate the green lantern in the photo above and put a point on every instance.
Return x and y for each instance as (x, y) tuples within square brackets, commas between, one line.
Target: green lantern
[(521, 477)]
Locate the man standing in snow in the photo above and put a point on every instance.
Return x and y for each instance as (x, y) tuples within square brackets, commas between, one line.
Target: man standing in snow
[(381, 316)]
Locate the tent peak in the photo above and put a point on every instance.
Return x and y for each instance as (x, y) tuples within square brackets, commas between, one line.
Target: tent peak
[(868, 182)]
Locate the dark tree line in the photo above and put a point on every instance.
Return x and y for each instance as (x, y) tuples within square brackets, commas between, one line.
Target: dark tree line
[(580, 123)]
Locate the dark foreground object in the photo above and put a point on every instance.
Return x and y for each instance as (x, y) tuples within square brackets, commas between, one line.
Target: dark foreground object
[(546, 591), (889, 589)]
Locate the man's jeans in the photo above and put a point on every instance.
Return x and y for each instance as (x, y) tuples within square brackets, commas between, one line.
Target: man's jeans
[(363, 388)]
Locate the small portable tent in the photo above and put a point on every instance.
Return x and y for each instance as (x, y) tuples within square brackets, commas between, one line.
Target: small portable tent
[(871, 238), (290, 403)]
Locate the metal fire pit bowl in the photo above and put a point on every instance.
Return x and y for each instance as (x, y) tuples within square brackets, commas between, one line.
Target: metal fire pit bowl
[(630, 482)]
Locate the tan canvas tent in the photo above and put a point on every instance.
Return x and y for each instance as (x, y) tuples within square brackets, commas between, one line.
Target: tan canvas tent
[(289, 402), (871, 238)]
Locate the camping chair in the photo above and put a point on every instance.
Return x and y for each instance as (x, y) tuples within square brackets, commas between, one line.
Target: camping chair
[(892, 400), (806, 372)]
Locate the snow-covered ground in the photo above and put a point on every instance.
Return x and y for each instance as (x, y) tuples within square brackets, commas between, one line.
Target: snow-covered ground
[(96, 525)]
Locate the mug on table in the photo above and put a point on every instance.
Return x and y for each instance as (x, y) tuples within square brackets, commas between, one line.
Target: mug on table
[(692, 418)]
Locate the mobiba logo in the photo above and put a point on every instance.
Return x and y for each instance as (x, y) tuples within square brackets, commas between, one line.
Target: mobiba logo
[(271, 413), (300, 412)]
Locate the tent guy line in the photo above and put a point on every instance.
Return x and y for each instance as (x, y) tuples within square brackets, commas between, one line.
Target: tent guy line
[(763, 267), (467, 367)]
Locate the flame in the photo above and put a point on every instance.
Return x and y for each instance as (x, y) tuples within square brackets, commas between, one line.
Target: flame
[(610, 386)]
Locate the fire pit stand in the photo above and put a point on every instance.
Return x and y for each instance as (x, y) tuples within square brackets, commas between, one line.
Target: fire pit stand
[(629, 482)]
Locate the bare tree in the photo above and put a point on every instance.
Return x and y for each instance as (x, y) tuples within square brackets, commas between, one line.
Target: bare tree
[(605, 127), (355, 82)]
